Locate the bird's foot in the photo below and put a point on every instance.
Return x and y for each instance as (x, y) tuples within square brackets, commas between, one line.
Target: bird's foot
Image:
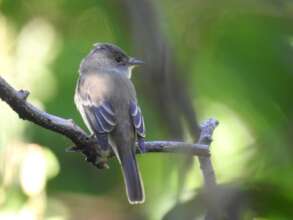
[(101, 163)]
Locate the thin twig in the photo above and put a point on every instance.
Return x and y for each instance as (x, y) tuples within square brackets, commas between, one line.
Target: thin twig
[(205, 138)]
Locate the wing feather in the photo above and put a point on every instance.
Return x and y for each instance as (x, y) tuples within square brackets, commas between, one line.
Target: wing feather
[(101, 120), (137, 119)]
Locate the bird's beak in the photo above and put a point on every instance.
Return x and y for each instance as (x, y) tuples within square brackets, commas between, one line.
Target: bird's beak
[(134, 62)]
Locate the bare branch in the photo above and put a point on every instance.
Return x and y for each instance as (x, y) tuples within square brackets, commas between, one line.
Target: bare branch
[(205, 138), (83, 142)]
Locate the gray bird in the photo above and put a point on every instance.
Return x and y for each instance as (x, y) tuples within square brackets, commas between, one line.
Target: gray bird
[(106, 99)]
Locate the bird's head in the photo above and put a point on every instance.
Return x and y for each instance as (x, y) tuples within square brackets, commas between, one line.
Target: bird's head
[(108, 57)]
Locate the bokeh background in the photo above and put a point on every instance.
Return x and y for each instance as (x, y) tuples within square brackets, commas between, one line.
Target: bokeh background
[(231, 60)]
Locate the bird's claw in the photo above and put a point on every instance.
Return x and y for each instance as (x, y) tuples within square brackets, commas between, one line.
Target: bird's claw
[(101, 163)]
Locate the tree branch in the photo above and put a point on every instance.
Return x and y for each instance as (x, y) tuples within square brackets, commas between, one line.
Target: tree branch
[(83, 142), (210, 183), (205, 138)]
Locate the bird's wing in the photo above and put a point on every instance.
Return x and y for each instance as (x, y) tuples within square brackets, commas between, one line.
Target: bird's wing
[(137, 119), (96, 109), (100, 117)]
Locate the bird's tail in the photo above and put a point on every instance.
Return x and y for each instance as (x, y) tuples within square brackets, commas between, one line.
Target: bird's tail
[(132, 178)]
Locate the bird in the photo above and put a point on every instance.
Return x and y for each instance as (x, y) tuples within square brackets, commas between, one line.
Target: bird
[(106, 99)]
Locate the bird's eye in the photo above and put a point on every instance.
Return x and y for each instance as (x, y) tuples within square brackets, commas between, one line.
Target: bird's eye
[(119, 59)]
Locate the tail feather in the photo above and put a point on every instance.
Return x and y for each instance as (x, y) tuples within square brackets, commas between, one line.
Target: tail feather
[(132, 178)]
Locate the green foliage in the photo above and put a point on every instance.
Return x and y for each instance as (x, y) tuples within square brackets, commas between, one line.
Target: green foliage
[(238, 55)]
